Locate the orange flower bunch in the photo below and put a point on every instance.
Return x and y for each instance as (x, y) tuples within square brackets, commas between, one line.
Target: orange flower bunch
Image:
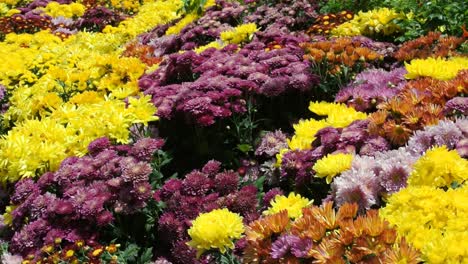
[(143, 52), (325, 23), (339, 52), (323, 235), (78, 252), (420, 103), (20, 24), (431, 45)]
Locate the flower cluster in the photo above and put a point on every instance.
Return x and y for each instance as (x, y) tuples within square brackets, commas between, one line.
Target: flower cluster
[(326, 22), (212, 84), (432, 45), (437, 68), (372, 178), (200, 192), (34, 147), (288, 14), (372, 87), (192, 32), (322, 234), (83, 194), (419, 103), (432, 220), (78, 252), (439, 167), (377, 22), (339, 52), (239, 34), (24, 23), (271, 144), (337, 116)]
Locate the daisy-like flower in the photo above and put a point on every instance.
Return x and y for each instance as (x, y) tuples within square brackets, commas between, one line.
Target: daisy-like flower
[(332, 165), (215, 230), (293, 203)]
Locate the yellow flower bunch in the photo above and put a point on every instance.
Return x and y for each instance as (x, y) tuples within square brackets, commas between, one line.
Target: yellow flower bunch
[(215, 230), (74, 87), (332, 165), (293, 203), (373, 22), (13, 2), (175, 29), (214, 44), (55, 9), (127, 5), (337, 115), (439, 167), (239, 34), (36, 146), (437, 68), (432, 220), (144, 20)]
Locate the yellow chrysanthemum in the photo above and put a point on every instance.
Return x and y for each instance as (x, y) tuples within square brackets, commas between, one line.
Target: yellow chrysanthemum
[(337, 115), (293, 203), (214, 44), (55, 9), (373, 22), (215, 230), (439, 167), (332, 165), (175, 29), (239, 34), (7, 217), (438, 68), (432, 220), (305, 132)]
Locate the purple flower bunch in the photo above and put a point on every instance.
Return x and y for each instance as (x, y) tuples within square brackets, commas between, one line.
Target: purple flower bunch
[(372, 87), (372, 177), (213, 84), (297, 15), (457, 106), (28, 21), (200, 191), (85, 193), (3, 99), (271, 144), (453, 134), (97, 18), (386, 172)]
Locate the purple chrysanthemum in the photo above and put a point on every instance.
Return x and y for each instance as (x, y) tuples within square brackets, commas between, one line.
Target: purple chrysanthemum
[(271, 144), (457, 105), (283, 245), (446, 133), (372, 87)]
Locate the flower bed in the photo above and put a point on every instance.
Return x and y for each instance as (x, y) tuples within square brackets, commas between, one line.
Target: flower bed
[(167, 131)]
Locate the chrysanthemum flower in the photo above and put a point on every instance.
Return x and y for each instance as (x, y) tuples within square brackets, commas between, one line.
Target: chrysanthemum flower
[(215, 230), (440, 69), (293, 204), (439, 167), (332, 165), (239, 34)]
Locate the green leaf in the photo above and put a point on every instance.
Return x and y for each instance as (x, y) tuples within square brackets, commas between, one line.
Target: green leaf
[(244, 147), (130, 254), (146, 256)]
